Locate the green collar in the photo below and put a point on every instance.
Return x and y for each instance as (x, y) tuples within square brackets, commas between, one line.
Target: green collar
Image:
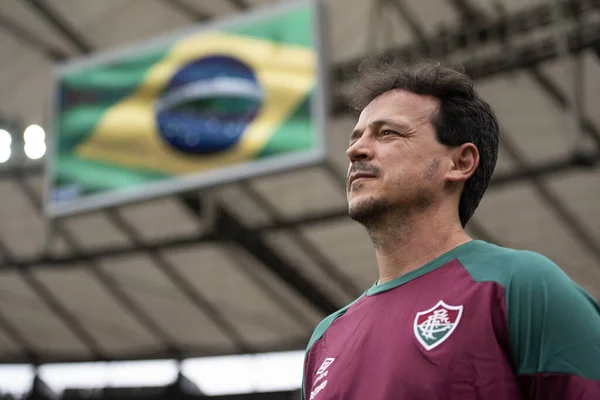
[(430, 266)]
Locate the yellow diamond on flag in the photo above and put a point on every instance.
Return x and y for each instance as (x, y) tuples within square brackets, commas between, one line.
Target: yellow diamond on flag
[(129, 133)]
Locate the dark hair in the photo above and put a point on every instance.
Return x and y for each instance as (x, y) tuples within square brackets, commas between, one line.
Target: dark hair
[(462, 117)]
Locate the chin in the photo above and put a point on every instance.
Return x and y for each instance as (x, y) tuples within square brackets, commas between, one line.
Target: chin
[(367, 210)]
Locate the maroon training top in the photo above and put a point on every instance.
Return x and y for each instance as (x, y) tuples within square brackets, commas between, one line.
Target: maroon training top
[(479, 322)]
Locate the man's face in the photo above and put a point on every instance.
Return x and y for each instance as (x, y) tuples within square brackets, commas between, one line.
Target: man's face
[(396, 163)]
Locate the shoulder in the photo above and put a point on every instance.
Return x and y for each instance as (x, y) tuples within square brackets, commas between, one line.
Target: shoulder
[(326, 323), (534, 286), (511, 268)]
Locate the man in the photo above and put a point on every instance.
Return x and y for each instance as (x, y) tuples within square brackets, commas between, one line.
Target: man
[(450, 317)]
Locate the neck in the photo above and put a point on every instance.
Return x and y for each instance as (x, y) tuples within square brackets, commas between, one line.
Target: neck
[(407, 243)]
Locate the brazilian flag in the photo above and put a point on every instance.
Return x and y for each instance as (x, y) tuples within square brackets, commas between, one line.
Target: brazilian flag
[(201, 102)]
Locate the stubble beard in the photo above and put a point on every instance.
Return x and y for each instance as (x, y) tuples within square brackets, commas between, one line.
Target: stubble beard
[(386, 221), (371, 213), (376, 216)]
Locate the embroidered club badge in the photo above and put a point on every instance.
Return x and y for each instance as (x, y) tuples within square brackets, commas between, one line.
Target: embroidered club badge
[(432, 327)]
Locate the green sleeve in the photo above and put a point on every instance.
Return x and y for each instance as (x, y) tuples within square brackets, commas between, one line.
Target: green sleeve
[(554, 324)]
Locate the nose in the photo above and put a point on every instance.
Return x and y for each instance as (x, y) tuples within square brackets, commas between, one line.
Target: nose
[(360, 150)]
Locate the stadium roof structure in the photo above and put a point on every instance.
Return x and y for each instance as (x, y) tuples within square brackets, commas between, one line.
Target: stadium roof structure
[(255, 268)]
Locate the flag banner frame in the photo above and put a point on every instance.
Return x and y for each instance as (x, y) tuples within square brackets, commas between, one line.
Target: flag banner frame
[(150, 151)]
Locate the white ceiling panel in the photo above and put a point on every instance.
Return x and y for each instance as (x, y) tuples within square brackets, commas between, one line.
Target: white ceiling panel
[(258, 317), (93, 231), (37, 183), (580, 191), (160, 219), (430, 14), (348, 245), (19, 11), (505, 163), (107, 320), (10, 47), (347, 26), (591, 91), (530, 119), (38, 323), (561, 73), (518, 218), (58, 247), (9, 348), (299, 306), (338, 134), (29, 93), (287, 246), (245, 209), (159, 297), (300, 192), (131, 21), (22, 228)]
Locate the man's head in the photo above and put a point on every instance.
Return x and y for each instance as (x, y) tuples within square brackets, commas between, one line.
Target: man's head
[(424, 137)]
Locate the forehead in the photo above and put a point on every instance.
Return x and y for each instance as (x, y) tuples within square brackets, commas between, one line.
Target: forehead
[(399, 105)]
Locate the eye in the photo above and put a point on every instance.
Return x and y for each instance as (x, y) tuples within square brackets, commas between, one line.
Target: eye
[(387, 132)]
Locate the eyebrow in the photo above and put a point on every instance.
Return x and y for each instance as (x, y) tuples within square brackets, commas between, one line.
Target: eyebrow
[(376, 124)]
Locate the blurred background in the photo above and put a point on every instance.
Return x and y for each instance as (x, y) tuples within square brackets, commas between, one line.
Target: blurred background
[(123, 279)]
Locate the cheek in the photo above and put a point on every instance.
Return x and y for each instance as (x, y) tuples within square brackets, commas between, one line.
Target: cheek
[(406, 176)]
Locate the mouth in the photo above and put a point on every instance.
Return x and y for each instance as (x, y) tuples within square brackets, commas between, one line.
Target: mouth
[(359, 177)]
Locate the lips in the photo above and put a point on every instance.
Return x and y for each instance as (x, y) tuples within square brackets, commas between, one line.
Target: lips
[(359, 175)]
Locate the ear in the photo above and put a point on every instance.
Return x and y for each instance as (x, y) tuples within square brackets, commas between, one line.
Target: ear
[(465, 159)]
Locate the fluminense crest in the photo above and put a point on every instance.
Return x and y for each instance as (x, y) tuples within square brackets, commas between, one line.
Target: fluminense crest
[(432, 327)]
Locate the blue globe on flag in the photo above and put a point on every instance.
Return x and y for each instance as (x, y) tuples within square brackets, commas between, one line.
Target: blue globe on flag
[(208, 104)]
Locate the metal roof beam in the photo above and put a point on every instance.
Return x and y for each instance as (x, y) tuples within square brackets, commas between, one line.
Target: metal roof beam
[(509, 27), (541, 170), (240, 4), (569, 219), (58, 357), (69, 320), (230, 228), (17, 337), (456, 39), (409, 18), (288, 307), (186, 10), (108, 252), (479, 68), (19, 172), (60, 25), (328, 267), (192, 293), (550, 168), (106, 280), (572, 9), (467, 11), (24, 36), (552, 89)]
